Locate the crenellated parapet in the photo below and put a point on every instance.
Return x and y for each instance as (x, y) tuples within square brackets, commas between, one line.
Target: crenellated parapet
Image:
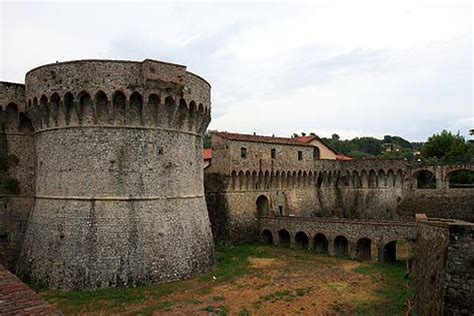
[(148, 94)]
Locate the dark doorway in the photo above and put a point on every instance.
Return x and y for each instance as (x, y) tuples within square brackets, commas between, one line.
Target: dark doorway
[(301, 240), (390, 252), (341, 246), (263, 206), (267, 237), (284, 238), (364, 249), (320, 243)]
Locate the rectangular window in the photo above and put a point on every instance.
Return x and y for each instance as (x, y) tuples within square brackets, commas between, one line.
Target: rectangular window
[(300, 155), (4, 238), (243, 152), (274, 153)]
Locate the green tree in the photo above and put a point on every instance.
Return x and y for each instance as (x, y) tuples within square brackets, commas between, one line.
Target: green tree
[(446, 146)]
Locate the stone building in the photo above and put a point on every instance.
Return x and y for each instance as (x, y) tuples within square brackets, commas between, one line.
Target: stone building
[(106, 158), (251, 176)]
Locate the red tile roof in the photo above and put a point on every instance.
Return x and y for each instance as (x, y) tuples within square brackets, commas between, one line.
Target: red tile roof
[(261, 139), (207, 154)]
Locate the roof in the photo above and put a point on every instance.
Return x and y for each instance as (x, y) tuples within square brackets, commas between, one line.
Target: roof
[(342, 157), (262, 139), (306, 139), (207, 154), (310, 138)]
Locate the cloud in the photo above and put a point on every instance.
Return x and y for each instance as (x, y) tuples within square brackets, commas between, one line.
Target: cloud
[(354, 68)]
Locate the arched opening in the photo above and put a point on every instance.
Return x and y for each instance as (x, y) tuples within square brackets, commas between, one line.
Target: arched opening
[(319, 180), (85, 109), (68, 107), (320, 243), (44, 110), (316, 153), (461, 179), (118, 107), (135, 110), (153, 106), (25, 124), (102, 108), (12, 116), (363, 249), (390, 252), (425, 180), (381, 179), (341, 246), (356, 182), (301, 240), (233, 177), (390, 179), (263, 206), (55, 99), (372, 179), (267, 237), (284, 238)]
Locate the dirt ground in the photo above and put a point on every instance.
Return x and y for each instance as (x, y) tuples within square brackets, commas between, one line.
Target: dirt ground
[(277, 281)]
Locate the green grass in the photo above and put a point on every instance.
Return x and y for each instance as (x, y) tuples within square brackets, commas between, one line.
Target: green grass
[(393, 296)]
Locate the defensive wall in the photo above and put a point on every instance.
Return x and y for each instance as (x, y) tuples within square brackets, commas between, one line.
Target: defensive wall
[(16, 171), (118, 178), (355, 238), (371, 189), (444, 267)]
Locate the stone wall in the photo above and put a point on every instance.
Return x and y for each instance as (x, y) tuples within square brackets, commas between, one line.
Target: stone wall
[(119, 178), (379, 233), (370, 189), (16, 172), (444, 267)]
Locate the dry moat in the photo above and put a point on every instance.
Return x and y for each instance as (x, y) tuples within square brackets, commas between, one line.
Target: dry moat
[(259, 280)]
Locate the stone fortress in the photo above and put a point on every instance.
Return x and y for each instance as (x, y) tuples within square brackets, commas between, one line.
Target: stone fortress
[(111, 180), (103, 185)]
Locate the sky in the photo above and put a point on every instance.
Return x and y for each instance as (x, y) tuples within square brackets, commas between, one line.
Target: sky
[(354, 68)]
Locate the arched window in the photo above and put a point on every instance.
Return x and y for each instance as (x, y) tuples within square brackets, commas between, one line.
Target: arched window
[(85, 109), (55, 100), (316, 153), (135, 110), (68, 109)]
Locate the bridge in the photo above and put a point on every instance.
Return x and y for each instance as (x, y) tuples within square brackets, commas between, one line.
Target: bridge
[(359, 239)]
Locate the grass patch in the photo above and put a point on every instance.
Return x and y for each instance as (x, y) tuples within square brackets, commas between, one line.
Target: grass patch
[(234, 262), (394, 293), (219, 310)]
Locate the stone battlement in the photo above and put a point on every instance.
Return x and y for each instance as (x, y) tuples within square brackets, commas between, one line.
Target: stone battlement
[(148, 94)]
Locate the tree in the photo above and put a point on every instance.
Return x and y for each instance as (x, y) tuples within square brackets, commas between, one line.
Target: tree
[(446, 145), (335, 137)]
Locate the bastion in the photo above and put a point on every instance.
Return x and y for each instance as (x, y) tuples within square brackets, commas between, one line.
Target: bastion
[(119, 198)]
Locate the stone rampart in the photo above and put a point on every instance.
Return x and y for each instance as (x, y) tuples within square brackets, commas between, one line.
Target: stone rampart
[(444, 269), (119, 195)]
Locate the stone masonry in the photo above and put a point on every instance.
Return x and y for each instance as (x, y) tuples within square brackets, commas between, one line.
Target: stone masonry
[(118, 186)]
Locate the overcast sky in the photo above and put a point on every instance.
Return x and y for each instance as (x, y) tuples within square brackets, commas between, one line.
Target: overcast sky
[(353, 68)]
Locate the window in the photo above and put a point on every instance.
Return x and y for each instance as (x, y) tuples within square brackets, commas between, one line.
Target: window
[(243, 152), (300, 155), (316, 154), (4, 238), (274, 153), (280, 209)]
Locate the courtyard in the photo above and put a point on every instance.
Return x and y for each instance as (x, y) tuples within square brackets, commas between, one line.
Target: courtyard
[(259, 279)]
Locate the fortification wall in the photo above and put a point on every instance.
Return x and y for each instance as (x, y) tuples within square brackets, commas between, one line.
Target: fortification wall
[(119, 196), (16, 171), (444, 271), (357, 189)]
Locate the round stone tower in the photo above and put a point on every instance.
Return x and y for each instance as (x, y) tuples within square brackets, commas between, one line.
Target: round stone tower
[(119, 175)]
